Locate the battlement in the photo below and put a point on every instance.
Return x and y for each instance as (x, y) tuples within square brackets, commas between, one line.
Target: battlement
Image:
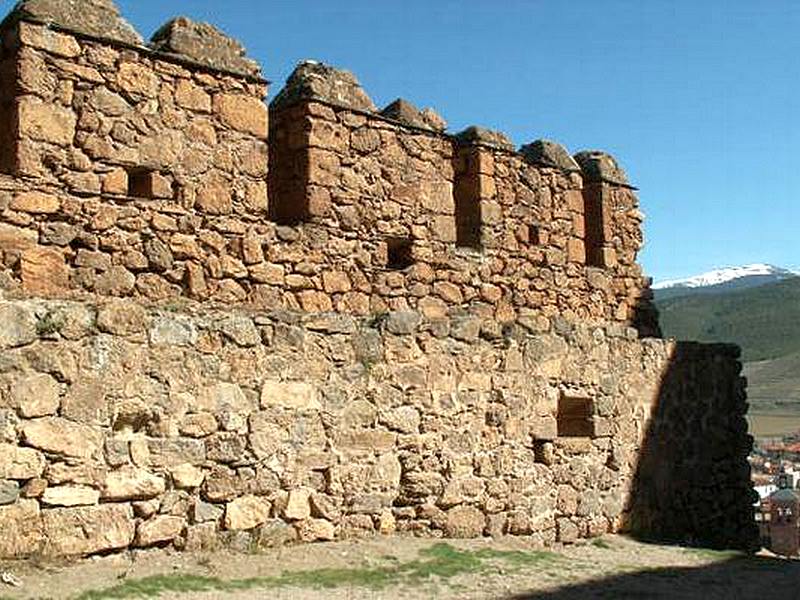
[(153, 170)]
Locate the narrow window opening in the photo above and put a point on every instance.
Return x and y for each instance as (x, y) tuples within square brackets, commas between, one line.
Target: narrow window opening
[(140, 183), (594, 225), (575, 417), (400, 253), (467, 199)]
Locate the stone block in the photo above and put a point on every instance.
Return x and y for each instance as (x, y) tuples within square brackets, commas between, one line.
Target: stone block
[(45, 122), (43, 271), (245, 114), (9, 491), (24, 520), (246, 512), (36, 203), (55, 435), (187, 476), (158, 530), (290, 394), (315, 530), (36, 395), (17, 462), (464, 522), (132, 483), (87, 530), (70, 495)]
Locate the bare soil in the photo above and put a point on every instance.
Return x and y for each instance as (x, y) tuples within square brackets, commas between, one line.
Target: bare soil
[(416, 569)]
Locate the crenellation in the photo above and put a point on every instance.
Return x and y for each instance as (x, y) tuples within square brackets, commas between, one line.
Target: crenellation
[(220, 316)]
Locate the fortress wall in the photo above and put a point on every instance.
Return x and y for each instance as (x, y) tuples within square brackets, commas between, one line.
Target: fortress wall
[(97, 117), (123, 426)]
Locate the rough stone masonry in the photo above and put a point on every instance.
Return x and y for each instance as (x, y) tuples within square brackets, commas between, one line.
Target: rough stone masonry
[(227, 323)]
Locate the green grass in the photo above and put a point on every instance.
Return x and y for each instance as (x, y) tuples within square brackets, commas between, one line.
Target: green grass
[(441, 561)]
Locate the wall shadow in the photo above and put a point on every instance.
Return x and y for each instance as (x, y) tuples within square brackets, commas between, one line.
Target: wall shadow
[(737, 578), (692, 483)]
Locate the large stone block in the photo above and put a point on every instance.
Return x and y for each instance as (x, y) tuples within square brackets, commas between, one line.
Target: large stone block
[(35, 395), (24, 520), (46, 122), (17, 326), (60, 436), (44, 271), (242, 113), (290, 394), (132, 483), (246, 512), (20, 463), (87, 530)]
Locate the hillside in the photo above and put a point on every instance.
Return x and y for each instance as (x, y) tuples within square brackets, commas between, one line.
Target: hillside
[(763, 320), (774, 379)]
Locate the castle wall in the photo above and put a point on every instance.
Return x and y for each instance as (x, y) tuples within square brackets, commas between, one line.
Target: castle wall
[(125, 426), (95, 117)]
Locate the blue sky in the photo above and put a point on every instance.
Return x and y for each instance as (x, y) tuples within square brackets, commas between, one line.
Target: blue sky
[(698, 100)]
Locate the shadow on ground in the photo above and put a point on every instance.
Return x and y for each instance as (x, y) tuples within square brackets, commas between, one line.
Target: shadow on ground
[(735, 579)]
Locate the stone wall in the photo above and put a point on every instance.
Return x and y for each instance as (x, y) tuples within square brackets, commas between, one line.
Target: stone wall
[(125, 426), (143, 170), (693, 479)]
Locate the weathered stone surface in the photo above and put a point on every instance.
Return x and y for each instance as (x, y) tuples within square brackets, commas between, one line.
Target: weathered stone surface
[(9, 491), (485, 137), (549, 154), (17, 325), (598, 166), (203, 512), (60, 436), (242, 113), (46, 123), (24, 519), (405, 112), (99, 18), (297, 505), (122, 317), (464, 522), (315, 530), (70, 495), (174, 331), (36, 202), (316, 81), (44, 271), (20, 463), (246, 512), (87, 530), (290, 394), (85, 402), (159, 529), (132, 483), (187, 476), (36, 395), (205, 45)]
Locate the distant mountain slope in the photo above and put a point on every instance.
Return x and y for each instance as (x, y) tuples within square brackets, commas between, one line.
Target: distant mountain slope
[(774, 379), (763, 320), (723, 280)]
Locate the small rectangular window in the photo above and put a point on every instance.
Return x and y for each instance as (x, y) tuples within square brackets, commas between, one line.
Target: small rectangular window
[(575, 416), (146, 183), (400, 253)]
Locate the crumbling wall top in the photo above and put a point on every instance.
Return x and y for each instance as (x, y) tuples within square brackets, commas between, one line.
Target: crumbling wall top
[(204, 44), (312, 80), (549, 154), (405, 112), (97, 18), (599, 166), (485, 137)]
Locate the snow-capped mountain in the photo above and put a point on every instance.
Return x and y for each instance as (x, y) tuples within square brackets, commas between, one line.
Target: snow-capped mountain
[(728, 278)]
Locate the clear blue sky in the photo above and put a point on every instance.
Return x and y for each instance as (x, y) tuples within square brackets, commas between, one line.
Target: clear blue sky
[(698, 99)]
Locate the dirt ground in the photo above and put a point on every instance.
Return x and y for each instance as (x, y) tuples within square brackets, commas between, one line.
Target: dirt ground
[(415, 569)]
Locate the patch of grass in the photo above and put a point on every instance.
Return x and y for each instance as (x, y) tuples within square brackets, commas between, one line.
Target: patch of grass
[(49, 324), (441, 561), (600, 543)]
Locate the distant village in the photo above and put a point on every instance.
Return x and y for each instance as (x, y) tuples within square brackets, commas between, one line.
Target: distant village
[(775, 466)]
